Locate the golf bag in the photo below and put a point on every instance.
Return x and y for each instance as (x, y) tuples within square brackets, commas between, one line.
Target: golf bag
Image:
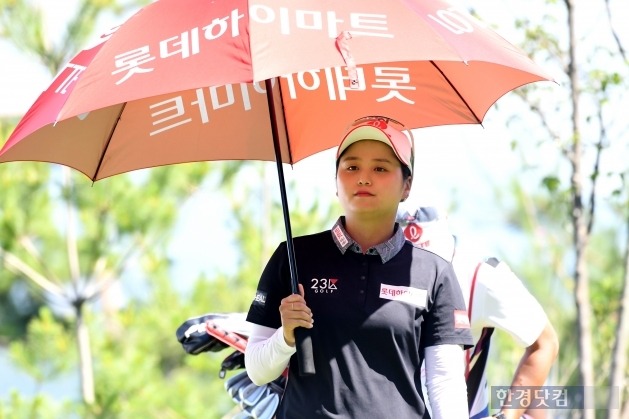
[(215, 332)]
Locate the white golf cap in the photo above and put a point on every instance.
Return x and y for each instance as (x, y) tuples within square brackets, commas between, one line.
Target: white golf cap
[(379, 129)]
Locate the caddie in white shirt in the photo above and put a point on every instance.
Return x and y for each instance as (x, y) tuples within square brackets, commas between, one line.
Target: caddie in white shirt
[(495, 298)]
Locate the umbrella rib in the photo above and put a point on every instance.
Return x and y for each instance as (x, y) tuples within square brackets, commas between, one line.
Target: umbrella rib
[(288, 145), (109, 137), (478, 120)]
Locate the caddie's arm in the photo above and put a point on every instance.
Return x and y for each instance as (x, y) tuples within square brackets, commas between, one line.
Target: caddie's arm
[(534, 367)]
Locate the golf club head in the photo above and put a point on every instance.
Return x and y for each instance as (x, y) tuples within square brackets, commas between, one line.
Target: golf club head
[(266, 407), (243, 414), (232, 384), (234, 391), (265, 393), (251, 394)]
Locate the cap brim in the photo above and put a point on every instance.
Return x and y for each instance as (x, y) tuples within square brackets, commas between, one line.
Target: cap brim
[(364, 133)]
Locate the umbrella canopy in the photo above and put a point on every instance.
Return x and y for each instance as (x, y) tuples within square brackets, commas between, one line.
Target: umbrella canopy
[(184, 79)]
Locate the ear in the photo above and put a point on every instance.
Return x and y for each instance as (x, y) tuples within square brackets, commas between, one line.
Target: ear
[(406, 189)]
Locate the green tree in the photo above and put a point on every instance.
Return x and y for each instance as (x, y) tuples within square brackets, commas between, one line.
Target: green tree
[(577, 127), (25, 183), (110, 225), (73, 252), (47, 350)]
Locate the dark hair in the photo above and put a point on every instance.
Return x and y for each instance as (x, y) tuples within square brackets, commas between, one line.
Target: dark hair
[(406, 172)]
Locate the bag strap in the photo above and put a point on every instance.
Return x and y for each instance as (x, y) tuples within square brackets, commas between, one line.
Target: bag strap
[(477, 360), (470, 306)]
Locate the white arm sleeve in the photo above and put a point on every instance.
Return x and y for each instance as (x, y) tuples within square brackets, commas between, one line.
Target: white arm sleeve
[(445, 381), (267, 354)]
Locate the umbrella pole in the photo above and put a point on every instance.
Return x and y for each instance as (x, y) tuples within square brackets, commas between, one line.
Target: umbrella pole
[(303, 338)]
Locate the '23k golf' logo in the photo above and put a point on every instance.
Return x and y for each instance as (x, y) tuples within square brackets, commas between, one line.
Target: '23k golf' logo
[(323, 285)]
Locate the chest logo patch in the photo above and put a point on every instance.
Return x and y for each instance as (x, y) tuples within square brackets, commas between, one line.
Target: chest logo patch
[(410, 295), (323, 285)]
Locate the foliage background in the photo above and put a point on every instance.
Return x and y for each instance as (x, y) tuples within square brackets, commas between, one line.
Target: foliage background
[(109, 254)]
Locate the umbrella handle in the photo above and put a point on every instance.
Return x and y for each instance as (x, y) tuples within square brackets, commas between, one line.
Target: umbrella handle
[(305, 357), (303, 340)]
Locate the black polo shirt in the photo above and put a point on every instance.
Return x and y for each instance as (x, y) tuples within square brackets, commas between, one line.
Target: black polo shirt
[(374, 314)]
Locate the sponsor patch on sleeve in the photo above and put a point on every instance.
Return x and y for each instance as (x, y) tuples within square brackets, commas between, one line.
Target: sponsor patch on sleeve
[(461, 321), (260, 298)]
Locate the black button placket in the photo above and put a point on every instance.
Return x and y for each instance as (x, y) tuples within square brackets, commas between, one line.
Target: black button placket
[(364, 274)]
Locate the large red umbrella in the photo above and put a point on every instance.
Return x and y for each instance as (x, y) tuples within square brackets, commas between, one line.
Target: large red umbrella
[(423, 62), (277, 80)]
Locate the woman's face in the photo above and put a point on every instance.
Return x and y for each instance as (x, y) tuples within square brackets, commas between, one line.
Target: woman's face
[(369, 179)]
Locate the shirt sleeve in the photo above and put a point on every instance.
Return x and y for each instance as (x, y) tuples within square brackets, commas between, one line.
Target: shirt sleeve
[(502, 301), (267, 353), (446, 321), (274, 285)]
